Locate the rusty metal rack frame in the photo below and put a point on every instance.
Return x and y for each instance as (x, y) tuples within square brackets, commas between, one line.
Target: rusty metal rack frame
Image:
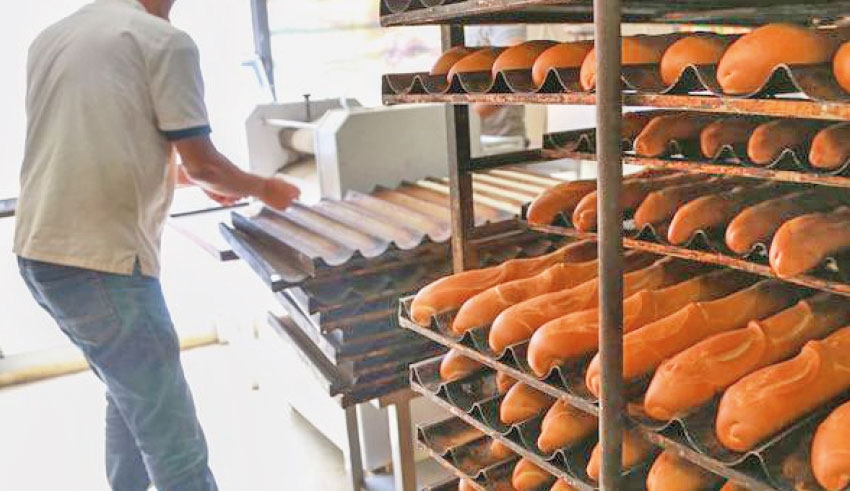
[(723, 12), (609, 98)]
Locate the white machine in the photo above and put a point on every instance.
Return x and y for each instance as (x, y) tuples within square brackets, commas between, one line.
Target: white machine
[(355, 148)]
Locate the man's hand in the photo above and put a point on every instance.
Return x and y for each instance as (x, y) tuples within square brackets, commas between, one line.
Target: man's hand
[(222, 199), (279, 194)]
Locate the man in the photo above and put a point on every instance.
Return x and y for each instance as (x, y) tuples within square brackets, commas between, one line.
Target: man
[(111, 89), (499, 123)]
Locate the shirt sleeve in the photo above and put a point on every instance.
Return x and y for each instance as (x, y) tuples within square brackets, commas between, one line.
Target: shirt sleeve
[(177, 89)]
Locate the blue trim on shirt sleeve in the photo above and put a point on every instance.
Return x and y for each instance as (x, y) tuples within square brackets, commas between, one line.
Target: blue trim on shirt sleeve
[(186, 133)]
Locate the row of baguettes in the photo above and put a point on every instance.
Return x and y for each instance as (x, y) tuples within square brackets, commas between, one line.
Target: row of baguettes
[(826, 144), (803, 226), (774, 351), (744, 64)]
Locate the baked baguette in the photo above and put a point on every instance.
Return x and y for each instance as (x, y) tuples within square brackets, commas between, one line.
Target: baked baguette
[(748, 63), (804, 242), (656, 136), (694, 376), (758, 223), (671, 473), (831, 147), (449, 293), (585, 216), (480, 60), (482, 309), (734, 130), (768, 140), (701, 48), (831, 452), (635, 451), (636, 50), (577, 334), (733, 486), (563, 55), (519, 322), (564, 426), (455, 366), (529, 477), (504, 382), (717, 210), (523, 402), (448, 59), (660, 206), (561, 485), (561, 198), (646, 348), (841, 66), (500, 451), (764, 402), (465, 485), (521, 57)]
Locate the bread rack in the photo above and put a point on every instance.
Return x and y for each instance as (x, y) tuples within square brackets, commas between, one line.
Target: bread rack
[(609, 97)]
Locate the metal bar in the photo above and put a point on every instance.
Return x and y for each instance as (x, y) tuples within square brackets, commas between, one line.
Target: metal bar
[(401, 442), (262, 40), (460, 181), (608, 121), (503, 159), (351, 450)]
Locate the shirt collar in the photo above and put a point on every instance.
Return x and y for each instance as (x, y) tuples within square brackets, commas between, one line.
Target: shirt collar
[(130, 3)]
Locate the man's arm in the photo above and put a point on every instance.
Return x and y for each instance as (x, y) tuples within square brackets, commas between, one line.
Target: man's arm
[(212, 171)]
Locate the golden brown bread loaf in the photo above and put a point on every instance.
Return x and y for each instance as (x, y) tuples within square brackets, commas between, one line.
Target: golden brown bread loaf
[(500, 451), (577, 334), (768, 140), (449, 293), (519, 322), (694, 376), (645, 348), (448, 59), (759, 223), (521, 56), (671, 473), (529, 477), (504, 382), (561, 198), (804, 242), (454, 366), (635, 451), (634, 191), (764, 402), (841, 66), (482, 309), (831, 450), (716, 210), (464, 485), (732, 486), (701, 48), (564, 55), (655, 138), (831, 147), (564, 426), (561, 485), (636, 50), (748, 63), (480, 60), (523, 402), (734, 130), (660, 206)]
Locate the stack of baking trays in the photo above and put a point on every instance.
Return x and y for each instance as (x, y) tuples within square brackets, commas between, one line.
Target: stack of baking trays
[(741, 370), (339, 267)]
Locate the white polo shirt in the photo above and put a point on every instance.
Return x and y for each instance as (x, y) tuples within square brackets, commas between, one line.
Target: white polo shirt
[(107, 89)]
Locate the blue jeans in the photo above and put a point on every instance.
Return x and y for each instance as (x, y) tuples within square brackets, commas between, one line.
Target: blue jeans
[(124, 329)]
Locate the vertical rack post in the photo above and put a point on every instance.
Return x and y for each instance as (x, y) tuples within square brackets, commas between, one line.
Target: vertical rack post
[(607, 15), (460, 178)]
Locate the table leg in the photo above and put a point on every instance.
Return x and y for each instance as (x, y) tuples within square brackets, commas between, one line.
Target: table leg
[(351, 452), (401, 439)]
